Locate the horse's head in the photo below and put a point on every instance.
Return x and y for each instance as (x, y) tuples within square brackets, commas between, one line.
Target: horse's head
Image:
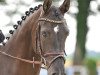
[(51, 35)]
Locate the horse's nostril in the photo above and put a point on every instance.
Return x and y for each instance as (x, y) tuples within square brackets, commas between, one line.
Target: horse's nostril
[(58, 74), (54, 73), (64, 73)]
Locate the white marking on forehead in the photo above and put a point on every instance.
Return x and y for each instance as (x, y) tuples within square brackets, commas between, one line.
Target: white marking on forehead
[(56, 29)]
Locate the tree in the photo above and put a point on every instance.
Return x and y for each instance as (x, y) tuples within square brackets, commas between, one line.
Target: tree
[(82, 29), (43, 0), (2, 0), (91, 66)]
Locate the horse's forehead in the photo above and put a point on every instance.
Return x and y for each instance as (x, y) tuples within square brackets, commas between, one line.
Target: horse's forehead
[(53, 8), (54, 12), (55, 27)]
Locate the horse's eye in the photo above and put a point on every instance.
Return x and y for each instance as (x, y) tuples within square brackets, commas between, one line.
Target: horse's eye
[(44, 34)]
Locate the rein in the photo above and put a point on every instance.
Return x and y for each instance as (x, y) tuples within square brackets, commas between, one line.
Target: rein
[(23, 60), (35, 62)]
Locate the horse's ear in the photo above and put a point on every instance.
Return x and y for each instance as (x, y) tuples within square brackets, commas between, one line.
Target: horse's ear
[(46, 5), (65, 6)]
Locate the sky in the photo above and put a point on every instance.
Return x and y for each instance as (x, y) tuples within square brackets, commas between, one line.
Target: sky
[(93, 36)]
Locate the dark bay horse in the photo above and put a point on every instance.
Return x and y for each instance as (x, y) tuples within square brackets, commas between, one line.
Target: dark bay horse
[(39, 39)]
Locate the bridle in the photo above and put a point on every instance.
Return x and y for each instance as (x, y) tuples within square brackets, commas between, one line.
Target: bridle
[(56, 55), (43, 60)]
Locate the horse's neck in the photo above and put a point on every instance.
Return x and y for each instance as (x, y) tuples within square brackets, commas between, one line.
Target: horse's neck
[(20, 45), (21, 42)]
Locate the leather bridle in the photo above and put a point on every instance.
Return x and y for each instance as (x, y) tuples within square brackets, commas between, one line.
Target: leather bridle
[(55, 55), (43, 59)]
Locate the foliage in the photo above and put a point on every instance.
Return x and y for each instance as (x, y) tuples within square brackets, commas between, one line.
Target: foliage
[(43, 0), (2, 0), (99, 7), (91, 66), (81, 31)]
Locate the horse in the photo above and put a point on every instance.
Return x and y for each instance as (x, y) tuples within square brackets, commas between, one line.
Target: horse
[(38, 39)]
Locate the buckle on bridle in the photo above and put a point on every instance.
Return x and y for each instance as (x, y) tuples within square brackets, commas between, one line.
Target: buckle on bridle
[(43, 63), (44, 66)]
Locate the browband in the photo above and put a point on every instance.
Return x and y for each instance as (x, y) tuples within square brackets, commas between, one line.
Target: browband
[(52, 21)]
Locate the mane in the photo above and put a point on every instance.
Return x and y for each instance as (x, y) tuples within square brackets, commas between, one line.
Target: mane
[(23, 19)]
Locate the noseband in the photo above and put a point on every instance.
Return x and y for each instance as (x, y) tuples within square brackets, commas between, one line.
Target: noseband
[(55, 55)]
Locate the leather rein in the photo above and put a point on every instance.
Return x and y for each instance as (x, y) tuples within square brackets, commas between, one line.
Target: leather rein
[(43, 60)]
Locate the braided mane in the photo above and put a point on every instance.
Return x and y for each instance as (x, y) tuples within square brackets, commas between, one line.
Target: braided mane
[(23, 18)]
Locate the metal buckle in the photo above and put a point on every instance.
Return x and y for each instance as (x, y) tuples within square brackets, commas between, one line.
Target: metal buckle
[(33, 61), (43, 60)]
